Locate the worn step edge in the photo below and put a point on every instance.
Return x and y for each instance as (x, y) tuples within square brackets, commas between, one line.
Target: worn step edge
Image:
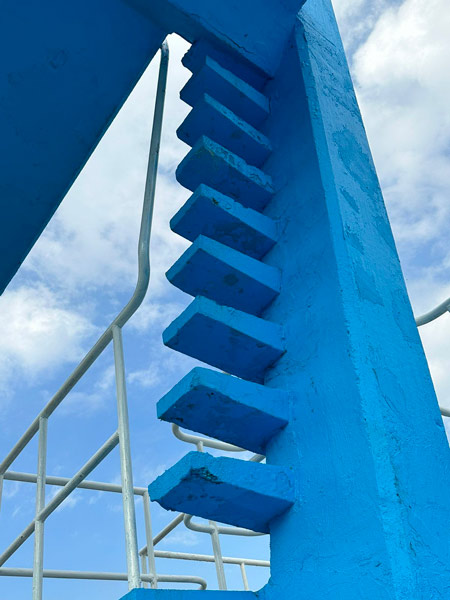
[(211, 118), (219, 217), (211, 269), (240, 97), (219, 405), (236, 492), (195, 58), (226, 338), (212, 164)]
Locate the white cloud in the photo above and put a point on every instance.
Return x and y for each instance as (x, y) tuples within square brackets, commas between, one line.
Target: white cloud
[(356, 19), (91, 242), (403, 85), (39, 332), (70, 502), (180, 537)]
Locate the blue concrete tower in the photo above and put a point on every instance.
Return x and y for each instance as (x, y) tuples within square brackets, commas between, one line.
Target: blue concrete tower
[(299, 300)]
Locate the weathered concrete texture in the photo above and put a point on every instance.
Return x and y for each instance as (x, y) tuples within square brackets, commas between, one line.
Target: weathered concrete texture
[(223, 85), (210, 269), (253, 31), (195, 58), (211, 164), (142, 594), (365, 437), (219, 217), (224, 407), (211, 118), (66, 68), (238, 343), (237, 492)]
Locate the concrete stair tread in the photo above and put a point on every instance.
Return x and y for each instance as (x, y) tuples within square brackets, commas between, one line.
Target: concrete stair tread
[(219, 217), (227, 408), (211, 118), (210, 269), (232, 91), (226, 338), (195, 58), (236, 492), (212, 164)]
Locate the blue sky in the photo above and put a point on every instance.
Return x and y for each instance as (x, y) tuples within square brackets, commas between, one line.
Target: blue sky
[(83, 269)]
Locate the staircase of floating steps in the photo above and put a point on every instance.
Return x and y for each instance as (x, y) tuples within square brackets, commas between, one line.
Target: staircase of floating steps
[(224, 325)]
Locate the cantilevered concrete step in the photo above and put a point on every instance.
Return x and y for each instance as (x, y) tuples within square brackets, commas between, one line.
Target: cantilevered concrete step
[(237, 492), (227, 408), (227, 88), (226, 338), (210, 269), (195, 57), (211, 118), (218, 217), (213, 165)]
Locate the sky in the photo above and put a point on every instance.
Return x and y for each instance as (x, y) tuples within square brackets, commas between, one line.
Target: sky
[(83, 269)]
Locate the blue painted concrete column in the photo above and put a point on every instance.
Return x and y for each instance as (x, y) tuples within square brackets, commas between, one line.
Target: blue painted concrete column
[(365, 438)]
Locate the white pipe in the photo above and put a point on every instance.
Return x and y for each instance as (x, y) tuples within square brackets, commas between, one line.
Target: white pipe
[(218, 560), (129, 510), (61, 481), (434, 313), (100, 575), (224, 530), (38, 559), (62, 495)]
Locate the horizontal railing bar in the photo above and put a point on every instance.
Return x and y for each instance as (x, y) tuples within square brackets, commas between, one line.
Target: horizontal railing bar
[(99, 486), (162, 534), (67, 386), (100, 575), (434, 313), (251, 562), (241, 531), (257, 458), (124, 315), (209, 442), (62, 495)]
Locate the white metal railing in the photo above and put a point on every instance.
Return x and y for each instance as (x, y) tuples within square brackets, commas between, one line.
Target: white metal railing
[(438, 311), (121, 438), (433, 314)]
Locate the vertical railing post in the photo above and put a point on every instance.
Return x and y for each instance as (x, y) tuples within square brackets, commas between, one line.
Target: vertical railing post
[(144, 570), (38, 561), (129, 513), (2, 475), (244, 576), (149, 540), (218, 556)]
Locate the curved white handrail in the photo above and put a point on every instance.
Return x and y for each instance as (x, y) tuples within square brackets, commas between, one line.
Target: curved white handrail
[(434, 313)]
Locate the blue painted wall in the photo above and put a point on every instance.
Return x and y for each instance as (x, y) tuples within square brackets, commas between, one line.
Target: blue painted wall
[(366, 437), (65, 70), (257, 31)]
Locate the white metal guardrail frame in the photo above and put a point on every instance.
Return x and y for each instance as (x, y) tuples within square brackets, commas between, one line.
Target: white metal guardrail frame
[(119, 438), (122, 436)]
